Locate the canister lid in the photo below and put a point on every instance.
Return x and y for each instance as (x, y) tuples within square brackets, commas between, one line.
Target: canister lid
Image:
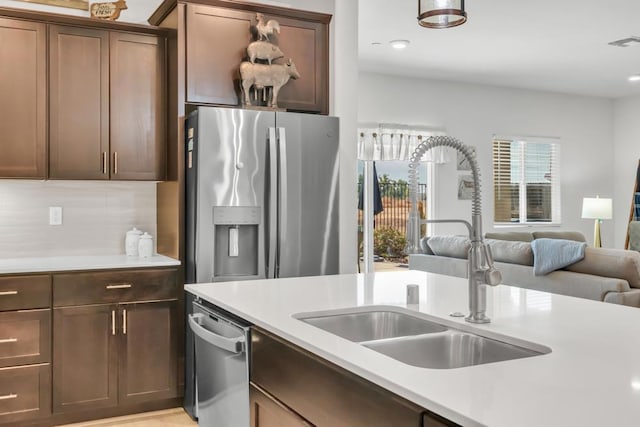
[(134, 231)]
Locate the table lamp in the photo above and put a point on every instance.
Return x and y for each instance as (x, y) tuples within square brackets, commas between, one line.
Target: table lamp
[(598, 209)]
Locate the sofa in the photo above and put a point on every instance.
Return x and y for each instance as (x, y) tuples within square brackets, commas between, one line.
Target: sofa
[(609, 275)]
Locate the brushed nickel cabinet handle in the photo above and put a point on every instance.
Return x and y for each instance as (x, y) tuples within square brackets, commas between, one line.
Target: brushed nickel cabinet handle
[(119, 286), (113, 322), (124, 321), (104, 162), (115, 162), (6, 293), (8, 340), (8, 396)]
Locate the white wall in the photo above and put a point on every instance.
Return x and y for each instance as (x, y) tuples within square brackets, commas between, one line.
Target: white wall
[(627, 153), (473, 113)]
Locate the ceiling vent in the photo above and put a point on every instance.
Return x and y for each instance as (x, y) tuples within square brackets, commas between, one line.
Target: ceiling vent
[(625, 42)]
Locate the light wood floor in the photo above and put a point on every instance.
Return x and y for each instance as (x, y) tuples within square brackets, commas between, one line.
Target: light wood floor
[(168, 418)]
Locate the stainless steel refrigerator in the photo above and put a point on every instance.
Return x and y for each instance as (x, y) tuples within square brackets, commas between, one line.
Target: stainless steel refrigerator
[(262, 195), (262, 202)]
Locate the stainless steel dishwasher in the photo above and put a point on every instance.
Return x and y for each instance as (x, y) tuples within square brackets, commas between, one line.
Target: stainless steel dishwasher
[(222, 367)]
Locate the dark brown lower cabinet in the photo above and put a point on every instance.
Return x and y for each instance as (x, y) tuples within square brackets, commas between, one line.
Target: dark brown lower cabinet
[(113, 354), (25, 393), (85, 357), (299, 382), (148, 354), (266, 411)]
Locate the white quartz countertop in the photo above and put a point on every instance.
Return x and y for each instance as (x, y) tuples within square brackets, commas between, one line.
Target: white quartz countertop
[(591, 377), (70, 263)]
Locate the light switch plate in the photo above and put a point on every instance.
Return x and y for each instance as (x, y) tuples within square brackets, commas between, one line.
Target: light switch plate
[(55, 215)]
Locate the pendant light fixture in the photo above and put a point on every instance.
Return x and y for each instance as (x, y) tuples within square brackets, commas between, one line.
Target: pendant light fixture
[(441, 13)]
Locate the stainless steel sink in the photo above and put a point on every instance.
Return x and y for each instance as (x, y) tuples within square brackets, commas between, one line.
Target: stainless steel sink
[(453, 349), (417, 341), (373, 325)]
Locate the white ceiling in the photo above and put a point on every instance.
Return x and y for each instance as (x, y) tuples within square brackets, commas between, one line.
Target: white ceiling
[(554, 45)]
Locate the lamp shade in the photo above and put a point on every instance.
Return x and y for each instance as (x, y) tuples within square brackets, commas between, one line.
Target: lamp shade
[(597, 208), (441, 13)]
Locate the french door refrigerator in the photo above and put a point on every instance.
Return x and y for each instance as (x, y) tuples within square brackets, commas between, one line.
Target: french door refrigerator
[(262, 202), (262, 195)]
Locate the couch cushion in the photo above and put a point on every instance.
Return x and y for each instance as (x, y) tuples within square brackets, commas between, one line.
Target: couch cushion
[(450, 246), (565, 235), (514, 236), (424, 246), (511, 252), (605, 262)]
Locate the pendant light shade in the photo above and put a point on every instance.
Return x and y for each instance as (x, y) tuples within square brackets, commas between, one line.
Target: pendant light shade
[(441, 13)]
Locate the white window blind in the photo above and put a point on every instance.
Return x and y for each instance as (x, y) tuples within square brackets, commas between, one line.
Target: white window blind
[(526, 180)]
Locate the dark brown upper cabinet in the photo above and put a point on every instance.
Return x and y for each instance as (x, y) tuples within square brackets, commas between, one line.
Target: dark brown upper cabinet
[(23, 99), (79, 103), (216, 42), (137, 69), (107, 105)]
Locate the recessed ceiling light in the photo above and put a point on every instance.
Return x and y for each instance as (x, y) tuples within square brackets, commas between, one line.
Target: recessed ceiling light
[(399, 44), (635, 78), (376, 44)]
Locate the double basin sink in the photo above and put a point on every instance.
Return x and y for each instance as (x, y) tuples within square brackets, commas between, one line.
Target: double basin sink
[(417, 341)]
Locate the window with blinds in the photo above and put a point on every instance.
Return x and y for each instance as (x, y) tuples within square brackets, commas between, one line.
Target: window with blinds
[(526, 181)]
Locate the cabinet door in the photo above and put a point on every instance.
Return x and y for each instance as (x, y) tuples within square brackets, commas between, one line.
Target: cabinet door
[(23, 99), (85, 357), (78, 103), (266, 411), (148, 365), (137, 116), (217, 39)]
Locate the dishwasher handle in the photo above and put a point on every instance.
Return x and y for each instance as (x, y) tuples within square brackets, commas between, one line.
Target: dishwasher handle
[(234, 345)]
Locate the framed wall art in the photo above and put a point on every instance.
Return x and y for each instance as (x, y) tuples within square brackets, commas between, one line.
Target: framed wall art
[(73, 4)]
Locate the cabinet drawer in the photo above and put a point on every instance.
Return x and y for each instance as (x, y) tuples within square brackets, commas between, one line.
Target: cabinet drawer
[(25, 393), (113, 287), (21, 292), (25, 337)]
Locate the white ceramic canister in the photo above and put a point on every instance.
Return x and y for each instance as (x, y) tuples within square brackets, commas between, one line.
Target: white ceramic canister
[(131, 242), (145, 246)]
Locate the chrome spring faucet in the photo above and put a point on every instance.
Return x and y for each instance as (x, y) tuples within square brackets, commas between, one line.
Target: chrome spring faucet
[(481, 271)]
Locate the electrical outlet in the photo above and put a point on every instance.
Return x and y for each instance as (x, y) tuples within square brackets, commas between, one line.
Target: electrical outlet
[(55, 215)]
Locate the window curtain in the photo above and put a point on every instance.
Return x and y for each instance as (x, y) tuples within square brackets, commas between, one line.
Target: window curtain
[(396, 142)]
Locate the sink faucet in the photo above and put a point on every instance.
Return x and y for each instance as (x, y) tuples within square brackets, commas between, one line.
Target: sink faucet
[(481, 271)]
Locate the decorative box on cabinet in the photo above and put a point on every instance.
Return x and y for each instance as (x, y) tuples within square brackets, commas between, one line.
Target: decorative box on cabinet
[(216, 41), (118, 328), (25, 348), (23, 99)]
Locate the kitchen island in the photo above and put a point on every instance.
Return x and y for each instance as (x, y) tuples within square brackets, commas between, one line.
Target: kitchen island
[(590, 378)]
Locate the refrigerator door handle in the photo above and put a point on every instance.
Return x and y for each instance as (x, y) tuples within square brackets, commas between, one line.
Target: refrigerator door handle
[(273, 203), (282, 189)]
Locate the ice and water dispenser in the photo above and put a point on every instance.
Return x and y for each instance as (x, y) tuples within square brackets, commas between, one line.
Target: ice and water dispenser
[(236, 240)]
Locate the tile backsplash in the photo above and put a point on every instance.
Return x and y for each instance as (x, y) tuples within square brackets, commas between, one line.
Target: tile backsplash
[(95, 216)]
